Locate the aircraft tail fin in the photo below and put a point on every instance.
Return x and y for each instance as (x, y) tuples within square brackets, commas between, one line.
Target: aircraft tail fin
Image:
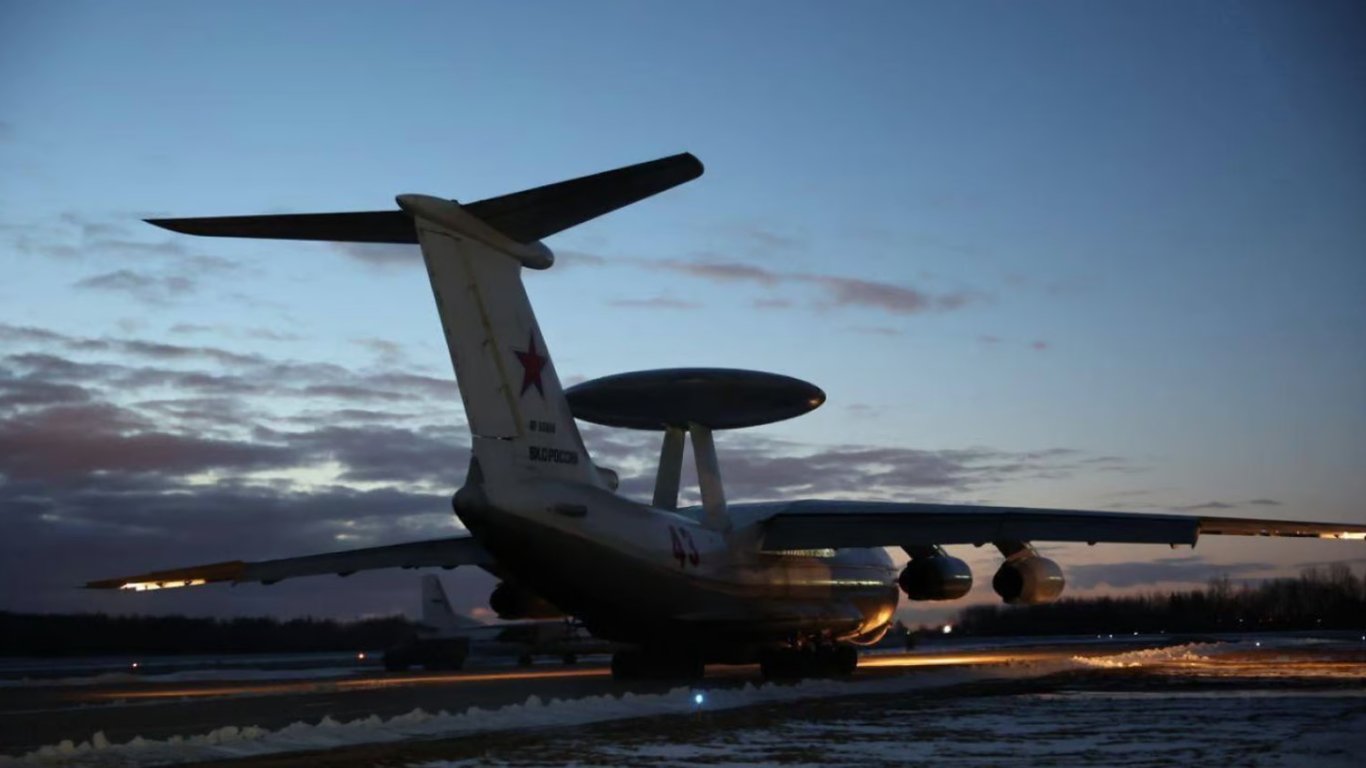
[(437, 615), (515, 406)]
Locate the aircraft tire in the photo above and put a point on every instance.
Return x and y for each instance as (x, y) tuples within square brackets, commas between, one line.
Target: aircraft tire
[(846, 660)]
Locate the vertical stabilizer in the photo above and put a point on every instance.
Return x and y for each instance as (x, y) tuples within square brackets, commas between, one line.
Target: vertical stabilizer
[(514, 403), (438, 618)]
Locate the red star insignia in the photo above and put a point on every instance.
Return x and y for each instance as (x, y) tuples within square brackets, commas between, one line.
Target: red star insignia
[(532, 365)]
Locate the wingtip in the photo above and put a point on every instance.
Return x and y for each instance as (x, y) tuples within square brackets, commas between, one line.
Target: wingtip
[(168, 224), (695, 162)]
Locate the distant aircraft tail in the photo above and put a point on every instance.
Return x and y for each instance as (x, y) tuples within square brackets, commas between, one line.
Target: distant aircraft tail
[(437, 615)]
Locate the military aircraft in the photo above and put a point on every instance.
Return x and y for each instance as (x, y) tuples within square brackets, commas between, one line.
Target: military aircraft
[(446, 639), (794, 585)]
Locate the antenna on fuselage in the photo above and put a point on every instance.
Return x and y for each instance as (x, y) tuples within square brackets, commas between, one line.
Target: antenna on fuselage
[(696, 402)]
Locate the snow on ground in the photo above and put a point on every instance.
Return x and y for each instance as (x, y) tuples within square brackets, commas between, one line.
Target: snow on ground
[(1279, 728), (1190, 652), (233, 741), (1264, 658)]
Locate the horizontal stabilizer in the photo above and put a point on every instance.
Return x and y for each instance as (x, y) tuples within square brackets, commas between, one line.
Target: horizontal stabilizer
[(541, 212), (524, 217), (443, 553), (351, 227)]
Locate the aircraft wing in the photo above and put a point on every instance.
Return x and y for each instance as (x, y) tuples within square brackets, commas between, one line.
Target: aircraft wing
[(444, 553), (833, 524), (525, 216)]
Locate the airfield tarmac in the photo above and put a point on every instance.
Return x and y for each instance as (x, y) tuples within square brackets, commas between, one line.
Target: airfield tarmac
[(1289, 701)]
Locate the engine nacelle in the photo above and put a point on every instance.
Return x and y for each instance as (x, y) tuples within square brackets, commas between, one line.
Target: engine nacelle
[(1029, 580), (510, 601), (936, 576)]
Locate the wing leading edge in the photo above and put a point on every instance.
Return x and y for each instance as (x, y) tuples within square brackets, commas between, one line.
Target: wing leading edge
[(444, 553), (819, 524)]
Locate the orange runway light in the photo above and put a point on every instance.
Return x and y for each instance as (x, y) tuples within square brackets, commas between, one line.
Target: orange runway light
[(310, 686)]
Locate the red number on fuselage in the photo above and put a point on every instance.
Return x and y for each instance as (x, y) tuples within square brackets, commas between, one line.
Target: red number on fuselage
[(677, 546), (684, 548), (693, 557)]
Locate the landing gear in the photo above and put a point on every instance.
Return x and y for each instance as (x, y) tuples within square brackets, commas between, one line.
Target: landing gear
[(641, 665), (808, 661)]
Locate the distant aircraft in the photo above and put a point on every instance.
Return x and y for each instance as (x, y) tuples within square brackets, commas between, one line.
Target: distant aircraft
[(446, 639), (794, 585)]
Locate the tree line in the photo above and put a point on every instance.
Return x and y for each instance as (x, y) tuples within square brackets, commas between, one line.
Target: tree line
[(91, 634), (1320, 598)]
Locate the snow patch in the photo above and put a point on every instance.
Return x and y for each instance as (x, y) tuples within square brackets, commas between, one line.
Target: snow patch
[(234, 741), (1176, 654)]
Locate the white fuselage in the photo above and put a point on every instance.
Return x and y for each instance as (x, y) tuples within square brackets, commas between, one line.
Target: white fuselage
[(652, 577)]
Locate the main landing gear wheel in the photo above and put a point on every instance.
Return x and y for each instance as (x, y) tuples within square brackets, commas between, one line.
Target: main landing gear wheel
[(639, 665), (808, 661)]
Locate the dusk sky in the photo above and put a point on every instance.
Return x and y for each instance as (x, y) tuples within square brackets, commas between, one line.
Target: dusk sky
[(1069, 254)]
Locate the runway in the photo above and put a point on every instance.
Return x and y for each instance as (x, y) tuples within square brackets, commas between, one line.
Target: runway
[(32, 717)]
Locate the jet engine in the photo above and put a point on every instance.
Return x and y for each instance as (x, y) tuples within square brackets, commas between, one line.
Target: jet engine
[(933, 574), (1028, 580), (511, 601)]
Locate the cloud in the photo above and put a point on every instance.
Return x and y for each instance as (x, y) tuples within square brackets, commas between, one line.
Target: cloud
[(1192, 569), (73, 440), (656, 302), (762, 469), (31, 392), (766, 239), (771, 304), (898, 299), (191, 328), (386, 352), (721, 271), (380, 254), (143, 287), (991, 340), (115, 452), (832, 290), (1217, 505)]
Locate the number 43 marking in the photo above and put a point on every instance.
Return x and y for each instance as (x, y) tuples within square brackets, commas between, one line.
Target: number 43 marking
[(685, 551)]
